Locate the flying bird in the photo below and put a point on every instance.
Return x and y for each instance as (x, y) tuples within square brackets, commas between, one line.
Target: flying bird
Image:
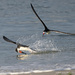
[(20, 48), (47, 30)]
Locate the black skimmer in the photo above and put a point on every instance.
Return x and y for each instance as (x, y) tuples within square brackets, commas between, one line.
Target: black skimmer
[(47, 31), (20, 48)]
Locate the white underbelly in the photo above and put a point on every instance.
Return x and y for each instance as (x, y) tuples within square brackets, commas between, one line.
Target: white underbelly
[(26, 49)]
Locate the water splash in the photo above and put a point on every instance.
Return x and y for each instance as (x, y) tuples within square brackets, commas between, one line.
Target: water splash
[(38, 43), (44, 45)]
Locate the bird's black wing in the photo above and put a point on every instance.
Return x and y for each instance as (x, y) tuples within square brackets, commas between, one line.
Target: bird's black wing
[(39, 17), (8, 40), (46, 26), (62, 32)]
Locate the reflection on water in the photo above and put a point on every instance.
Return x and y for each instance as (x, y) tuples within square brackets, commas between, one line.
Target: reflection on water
[(22, 57)]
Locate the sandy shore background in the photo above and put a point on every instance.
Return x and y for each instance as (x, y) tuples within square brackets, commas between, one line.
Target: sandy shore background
[(64, 72)]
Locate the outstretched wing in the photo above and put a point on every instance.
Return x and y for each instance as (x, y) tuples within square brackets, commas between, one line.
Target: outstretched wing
[(62, 32), (8, 40), (39, 17), (46, 26)]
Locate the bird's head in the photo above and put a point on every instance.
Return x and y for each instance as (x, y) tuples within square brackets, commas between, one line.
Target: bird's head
[(46, 32), (16, 50), (19, 51)]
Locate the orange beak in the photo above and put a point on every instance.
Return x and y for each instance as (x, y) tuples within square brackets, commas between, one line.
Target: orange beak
[(20, 51)]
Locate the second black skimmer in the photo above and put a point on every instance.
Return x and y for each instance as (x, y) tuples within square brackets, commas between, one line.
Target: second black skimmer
[(47, 31), (20, 48)]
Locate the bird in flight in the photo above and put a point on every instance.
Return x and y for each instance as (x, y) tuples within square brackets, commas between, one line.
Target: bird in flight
[(20, 48), (47, 30)]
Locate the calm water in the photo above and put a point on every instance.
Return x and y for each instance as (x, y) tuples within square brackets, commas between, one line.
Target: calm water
[(19, 23)]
